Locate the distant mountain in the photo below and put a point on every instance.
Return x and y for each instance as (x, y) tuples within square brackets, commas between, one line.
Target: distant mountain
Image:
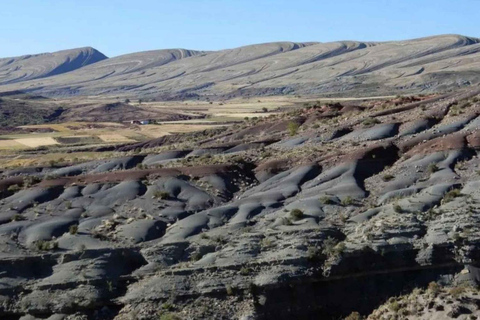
[(340, 68), (43, 65)]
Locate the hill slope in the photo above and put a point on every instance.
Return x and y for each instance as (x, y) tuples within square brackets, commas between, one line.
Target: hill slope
[(43, 65), (343, 67), (364, 208)]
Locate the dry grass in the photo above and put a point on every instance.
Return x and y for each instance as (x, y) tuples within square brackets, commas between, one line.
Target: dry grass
[(37, 142), (45, 159), (10, 144), (156, 131), (115, 138)]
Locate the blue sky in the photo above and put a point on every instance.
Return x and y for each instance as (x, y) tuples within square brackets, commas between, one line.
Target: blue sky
[(123, 26)]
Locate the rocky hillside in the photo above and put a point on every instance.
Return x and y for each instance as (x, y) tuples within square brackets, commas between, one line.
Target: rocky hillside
[(329, 211), (29, 67), (349, 68)]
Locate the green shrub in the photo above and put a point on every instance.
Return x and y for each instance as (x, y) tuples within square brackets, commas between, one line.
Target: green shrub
[(394, 306), (452, 194), (29, 181), (73, 229), (244, 271), (293, 128), (169, 316), (196, 256), (434, 288), (161, 195), (229, 290), (296, 214), (388, 177), (325, 200), (17, 217), (14, 188), (432, 167), (43, 245), (354, 316), (266, 242), (370, 122), (314, 253), (458, 291), (331, 247), (431, 214), (347, 201)]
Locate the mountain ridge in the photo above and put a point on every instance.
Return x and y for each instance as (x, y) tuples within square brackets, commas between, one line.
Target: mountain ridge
[(426, 64)]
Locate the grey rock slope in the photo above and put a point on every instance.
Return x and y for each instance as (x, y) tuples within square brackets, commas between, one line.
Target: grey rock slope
[(426, 64), (311, 226), (43, 65)]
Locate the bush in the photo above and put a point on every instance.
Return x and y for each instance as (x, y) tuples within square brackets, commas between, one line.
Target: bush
[(456, 292), (244, 271), (293, 128), (370, 122), (229, 290), (347, 201), (169, 316), (14, 188), (331, 247), (196, 256), (432, 167), (314, 253), (43, 245), (17, 217), (434, 288), (452, 194), (73, 229), (394, 306), (397, 208), (354, 316), (325, 200), (388, 177), (296, 214), (29, 181), (161, 195)]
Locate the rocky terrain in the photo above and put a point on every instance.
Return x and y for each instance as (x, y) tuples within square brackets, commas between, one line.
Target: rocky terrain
[(29, 67), (349, 68), (328, 211), (20, 109)]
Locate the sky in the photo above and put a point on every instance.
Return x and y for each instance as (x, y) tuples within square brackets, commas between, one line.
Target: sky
[(117, 27)]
